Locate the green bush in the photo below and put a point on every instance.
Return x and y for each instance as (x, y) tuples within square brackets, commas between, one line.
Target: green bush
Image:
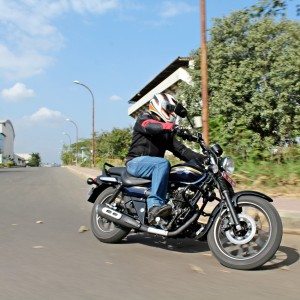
[(117, 162), (9, 164), (281, 170)]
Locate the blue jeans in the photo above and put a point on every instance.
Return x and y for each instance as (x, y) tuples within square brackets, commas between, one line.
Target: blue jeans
[(154, 168)]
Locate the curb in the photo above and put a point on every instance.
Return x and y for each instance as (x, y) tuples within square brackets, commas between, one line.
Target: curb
[(290, 221), (291, 231), (84, 173)]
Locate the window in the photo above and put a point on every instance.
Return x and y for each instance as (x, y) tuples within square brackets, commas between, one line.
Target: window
[(1, 143)]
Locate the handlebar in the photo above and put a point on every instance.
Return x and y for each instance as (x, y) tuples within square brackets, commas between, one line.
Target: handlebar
[(186, 135)]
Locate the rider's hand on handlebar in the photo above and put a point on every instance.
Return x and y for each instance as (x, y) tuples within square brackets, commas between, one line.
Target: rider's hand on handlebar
[(181, 132)]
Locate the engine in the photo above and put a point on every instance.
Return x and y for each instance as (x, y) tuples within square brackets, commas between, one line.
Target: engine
[(179, 196)]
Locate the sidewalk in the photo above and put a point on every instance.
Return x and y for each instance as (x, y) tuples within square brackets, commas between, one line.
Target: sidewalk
[(288, 207)]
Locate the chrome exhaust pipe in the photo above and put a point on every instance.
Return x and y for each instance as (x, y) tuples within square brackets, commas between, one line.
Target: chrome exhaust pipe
[(126, 221), (117, 217)]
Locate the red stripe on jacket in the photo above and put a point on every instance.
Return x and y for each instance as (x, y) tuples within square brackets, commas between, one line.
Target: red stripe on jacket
[(165, 126)]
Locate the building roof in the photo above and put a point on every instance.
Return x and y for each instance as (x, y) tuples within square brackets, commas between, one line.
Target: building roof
[(10, 123), (177, 63), (25, 156)]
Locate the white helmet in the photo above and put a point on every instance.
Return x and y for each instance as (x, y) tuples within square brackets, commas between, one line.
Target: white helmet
[(163, 105)]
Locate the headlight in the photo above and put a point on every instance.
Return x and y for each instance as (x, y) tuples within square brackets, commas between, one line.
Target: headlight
[(228, 164)]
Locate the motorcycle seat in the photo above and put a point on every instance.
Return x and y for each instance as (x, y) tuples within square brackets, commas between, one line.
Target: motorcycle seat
[(129, 180), (116, 170)]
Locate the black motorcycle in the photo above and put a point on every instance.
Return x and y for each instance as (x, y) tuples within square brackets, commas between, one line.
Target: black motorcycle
[(243, 231)]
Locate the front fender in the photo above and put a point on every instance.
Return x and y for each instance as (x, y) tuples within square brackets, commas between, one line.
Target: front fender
[(237, 195)]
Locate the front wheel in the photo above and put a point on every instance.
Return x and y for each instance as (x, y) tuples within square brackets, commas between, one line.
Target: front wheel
[(252, 246), (103, 229)]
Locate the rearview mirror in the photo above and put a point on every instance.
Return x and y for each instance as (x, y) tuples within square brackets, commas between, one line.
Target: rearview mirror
[(180, 110)]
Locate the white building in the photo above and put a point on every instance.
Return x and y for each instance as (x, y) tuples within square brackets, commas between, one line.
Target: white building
[(22, 159), (7, 137), (165, 82)]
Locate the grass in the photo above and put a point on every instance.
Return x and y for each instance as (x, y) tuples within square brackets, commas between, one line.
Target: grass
[(276, 177), (271, 177)]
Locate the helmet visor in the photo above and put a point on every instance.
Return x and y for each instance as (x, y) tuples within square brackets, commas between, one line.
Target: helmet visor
[(170, 108)]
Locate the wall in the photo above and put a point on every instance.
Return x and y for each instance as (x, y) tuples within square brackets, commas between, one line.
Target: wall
[(7, 140)]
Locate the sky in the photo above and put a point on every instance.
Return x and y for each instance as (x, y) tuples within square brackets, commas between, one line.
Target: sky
[(115, 47)]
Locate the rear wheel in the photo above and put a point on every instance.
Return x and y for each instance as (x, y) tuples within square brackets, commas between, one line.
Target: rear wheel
[(252, 246), (103, 229)]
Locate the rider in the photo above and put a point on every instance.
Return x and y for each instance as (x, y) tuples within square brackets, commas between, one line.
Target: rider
[(152, 136)]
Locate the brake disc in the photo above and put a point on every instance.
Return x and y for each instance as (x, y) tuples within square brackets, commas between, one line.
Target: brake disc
[(248, 236)]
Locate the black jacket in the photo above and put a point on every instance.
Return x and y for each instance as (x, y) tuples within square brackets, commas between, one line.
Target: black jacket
[(153, 138)]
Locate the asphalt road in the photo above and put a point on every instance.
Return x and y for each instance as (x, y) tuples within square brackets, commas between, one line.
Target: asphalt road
[(43, 256)]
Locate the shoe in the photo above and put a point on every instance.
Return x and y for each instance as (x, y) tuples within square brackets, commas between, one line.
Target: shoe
[(158, 211)]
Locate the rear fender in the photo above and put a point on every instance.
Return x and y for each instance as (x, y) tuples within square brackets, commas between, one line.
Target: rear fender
[(237, 195), (96, 191), (102, 182)]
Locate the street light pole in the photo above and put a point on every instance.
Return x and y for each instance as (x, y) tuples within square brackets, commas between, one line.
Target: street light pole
[(93, 121), (204, 76), (69, 120), (70, 142), (64, 133)]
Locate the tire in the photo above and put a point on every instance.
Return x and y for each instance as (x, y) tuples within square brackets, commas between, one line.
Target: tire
[(103, 229), (259, 242)]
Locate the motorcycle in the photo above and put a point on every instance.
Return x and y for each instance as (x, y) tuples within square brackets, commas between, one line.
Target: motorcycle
[(243, 231)]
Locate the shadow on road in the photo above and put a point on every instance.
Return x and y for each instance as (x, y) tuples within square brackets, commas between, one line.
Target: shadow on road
[(177, 245), (284, 257)]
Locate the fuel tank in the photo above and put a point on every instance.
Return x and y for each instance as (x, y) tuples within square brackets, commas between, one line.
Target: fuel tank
[(186, 174)]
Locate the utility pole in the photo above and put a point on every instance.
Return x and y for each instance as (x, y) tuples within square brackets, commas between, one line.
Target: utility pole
[(204, 74)]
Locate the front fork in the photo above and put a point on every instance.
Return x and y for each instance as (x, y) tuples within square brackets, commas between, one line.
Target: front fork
[(231, 209), (227, 198)]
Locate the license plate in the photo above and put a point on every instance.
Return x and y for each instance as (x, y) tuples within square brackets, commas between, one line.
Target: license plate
[(228, 179)]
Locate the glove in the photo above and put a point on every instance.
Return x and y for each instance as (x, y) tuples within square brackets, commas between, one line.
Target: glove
[(184, 133)]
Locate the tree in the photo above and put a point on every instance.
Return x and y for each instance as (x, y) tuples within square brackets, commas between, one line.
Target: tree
[(67, 155), (114, 144), (35, 160), (253, 82), (254, 78), (269, 8)]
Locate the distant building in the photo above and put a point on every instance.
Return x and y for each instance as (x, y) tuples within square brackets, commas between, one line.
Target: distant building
[(7, 137), (23, 158), (165, 82)]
